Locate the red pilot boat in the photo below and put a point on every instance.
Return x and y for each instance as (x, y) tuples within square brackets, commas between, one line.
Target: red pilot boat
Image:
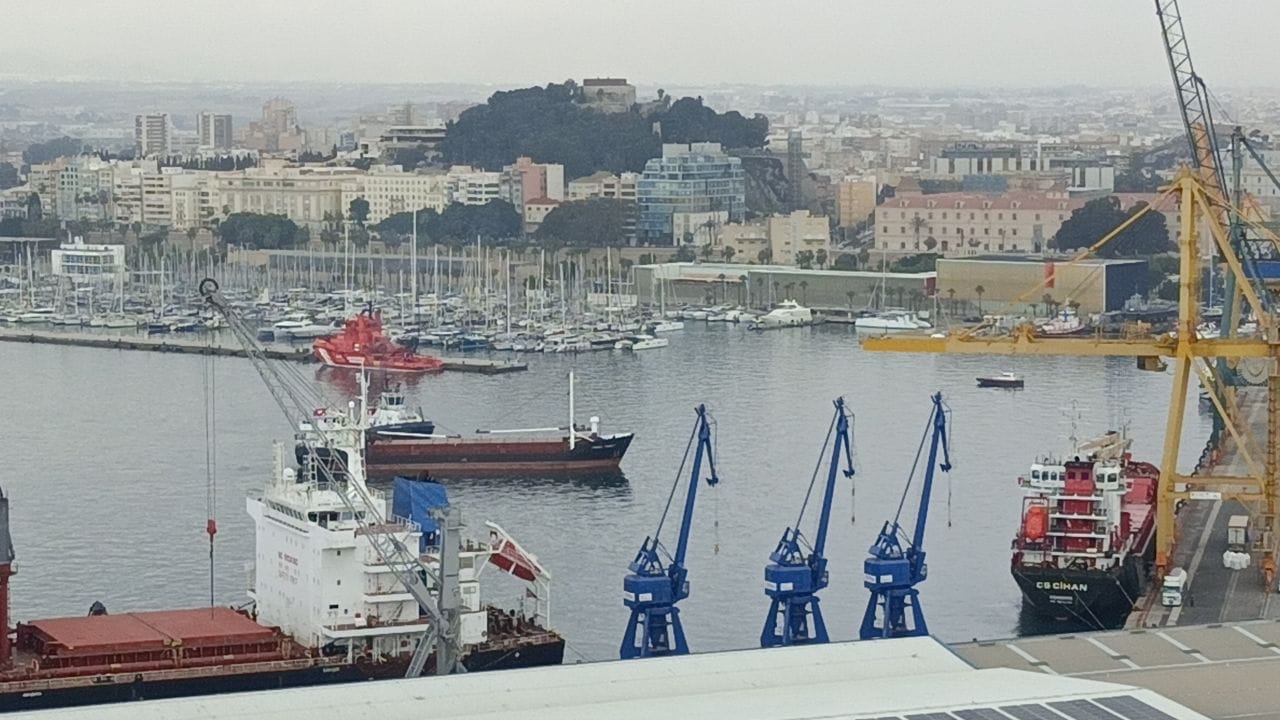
[(362, 344)]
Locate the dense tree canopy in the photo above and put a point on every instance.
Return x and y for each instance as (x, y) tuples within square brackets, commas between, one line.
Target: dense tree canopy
[(260, 232), (8, 176), (52, 150), (596, 222), (688, 120), (494, 220), (550, 125), (1089, 224)]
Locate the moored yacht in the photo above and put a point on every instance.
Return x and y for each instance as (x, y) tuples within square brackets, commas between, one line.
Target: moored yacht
[(891, 320), (788, 313)]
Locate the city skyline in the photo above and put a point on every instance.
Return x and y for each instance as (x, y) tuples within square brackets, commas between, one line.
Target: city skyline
[(825, 43)]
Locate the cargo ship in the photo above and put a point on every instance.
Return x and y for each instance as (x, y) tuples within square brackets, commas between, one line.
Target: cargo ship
[(401, 442), (325, 608), (1085, 544), (362, 344)]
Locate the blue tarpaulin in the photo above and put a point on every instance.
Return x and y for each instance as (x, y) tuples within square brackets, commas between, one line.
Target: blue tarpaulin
[(415, 499)]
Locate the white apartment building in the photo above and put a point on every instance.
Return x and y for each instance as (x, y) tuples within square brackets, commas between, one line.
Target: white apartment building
[(473, 187), (390, 190), (782, 236), (309, 196), (151, 134), (214, 130)]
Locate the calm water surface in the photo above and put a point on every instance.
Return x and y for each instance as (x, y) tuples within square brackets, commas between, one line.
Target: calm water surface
[(104, 463)]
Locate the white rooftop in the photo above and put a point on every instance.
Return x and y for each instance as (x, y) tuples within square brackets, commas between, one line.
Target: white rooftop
[(879, 679)]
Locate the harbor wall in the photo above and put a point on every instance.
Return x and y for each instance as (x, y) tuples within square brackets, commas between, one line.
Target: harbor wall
[(761, 286)]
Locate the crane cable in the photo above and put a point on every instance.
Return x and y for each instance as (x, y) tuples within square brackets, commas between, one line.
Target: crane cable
[(210, 457)]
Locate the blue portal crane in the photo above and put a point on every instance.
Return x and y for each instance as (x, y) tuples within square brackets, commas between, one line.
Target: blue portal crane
[(892, 571), (793, 577), (652, 589)]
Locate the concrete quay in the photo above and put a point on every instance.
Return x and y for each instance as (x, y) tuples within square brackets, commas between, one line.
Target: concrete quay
[(212, 346), (1217, 594)]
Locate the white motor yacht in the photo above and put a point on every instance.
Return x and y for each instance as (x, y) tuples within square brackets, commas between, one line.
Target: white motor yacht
[(788, 313), (891, 320), (668, 326), (641, 342)]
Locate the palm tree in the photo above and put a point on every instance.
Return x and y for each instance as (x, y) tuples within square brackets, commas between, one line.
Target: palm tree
[(790, 289), (804, 292), (951, 299), (917, 224), (850, 294), (821, 258), (728, 253), (979, 290), (723, 292)]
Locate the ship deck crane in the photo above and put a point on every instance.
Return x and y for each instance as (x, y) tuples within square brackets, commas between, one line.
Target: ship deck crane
[(794, 576), (892, 571), (295, 399), (653, 588)]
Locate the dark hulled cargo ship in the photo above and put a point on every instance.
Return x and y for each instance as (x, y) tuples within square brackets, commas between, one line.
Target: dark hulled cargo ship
[(291, 637), (1085, 544)]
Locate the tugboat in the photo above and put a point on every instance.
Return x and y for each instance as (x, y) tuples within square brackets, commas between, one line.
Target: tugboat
[(366, 628), (363, 344), (1066, 324), (1084, 545)]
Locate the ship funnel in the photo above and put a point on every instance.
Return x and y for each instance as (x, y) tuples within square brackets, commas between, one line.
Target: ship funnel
[(595, 425)]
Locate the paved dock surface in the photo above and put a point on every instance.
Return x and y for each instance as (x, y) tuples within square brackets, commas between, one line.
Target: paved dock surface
[(1226, 671), (1217, 594), (204, 345)]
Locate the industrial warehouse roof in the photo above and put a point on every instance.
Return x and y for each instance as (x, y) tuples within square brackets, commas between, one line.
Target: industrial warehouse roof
[(915, 679), (705, 270), (1042, 259)]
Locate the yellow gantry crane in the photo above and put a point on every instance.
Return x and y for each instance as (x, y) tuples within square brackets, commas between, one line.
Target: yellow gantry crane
[(1201, 209)]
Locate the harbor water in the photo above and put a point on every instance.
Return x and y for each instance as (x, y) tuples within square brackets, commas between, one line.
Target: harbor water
[(106, 471)]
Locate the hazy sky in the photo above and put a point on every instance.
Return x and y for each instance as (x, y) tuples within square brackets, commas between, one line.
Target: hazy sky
[(849, 42)]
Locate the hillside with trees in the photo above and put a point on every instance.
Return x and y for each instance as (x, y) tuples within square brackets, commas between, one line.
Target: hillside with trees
[(494, 220), (551, 124)]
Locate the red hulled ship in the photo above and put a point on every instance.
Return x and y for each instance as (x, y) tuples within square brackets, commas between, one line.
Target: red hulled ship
[(1084, 547), (362, 344)]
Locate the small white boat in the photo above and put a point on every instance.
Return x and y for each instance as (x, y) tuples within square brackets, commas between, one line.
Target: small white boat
[(36, 315), (668, 326), (641, 342), (308, 332), (891, 320)]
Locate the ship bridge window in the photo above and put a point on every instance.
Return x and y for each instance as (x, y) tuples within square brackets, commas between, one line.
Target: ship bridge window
[(1035, 474)]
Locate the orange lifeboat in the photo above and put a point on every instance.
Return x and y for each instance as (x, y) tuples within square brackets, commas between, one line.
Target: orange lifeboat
[(1035, 523)]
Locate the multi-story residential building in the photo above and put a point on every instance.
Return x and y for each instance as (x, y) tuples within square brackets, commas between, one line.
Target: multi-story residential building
[(606, 185), (390, 190), (45, 180), (608, 94), (966, 224), (278, 129), (13, 202), (84, 189), (309, 196), (780, 237), (214, 130), (402, 114), (692, 178), (527, 180), (855, 201), (470, 186), (151, 134)]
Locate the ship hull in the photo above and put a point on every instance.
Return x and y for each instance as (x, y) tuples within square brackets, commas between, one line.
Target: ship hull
[(1098, 599), (150, 686), (495, 457)]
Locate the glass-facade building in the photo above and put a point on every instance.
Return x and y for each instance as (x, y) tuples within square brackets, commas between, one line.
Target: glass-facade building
[(688, 178)]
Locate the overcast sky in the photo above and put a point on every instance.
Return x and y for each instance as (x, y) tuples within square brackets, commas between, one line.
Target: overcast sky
[(928, 43)]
